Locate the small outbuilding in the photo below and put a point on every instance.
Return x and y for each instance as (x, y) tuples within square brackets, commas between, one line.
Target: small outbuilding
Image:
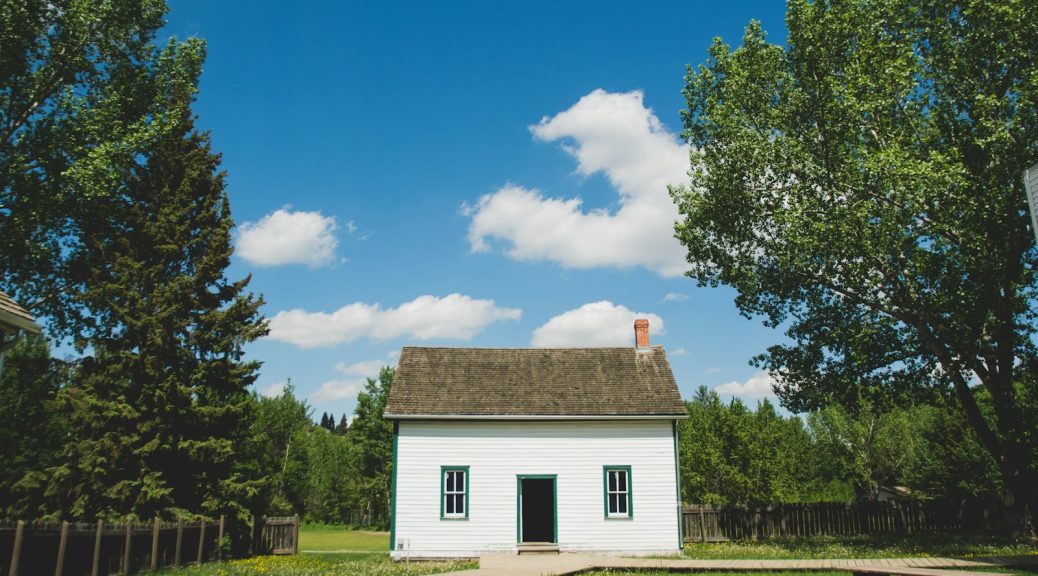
[(535, 450)]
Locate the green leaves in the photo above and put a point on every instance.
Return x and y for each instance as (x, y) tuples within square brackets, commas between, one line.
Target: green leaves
[(731, 454), (83, 93), (861, 189)]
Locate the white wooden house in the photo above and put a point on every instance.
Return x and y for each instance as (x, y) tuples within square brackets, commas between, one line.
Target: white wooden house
[(515, 450)]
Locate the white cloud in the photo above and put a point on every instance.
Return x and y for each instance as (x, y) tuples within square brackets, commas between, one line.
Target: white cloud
[(287, 237), (455, 316), (612, 133), (346, 388), (675, 297), (678, 352), (367, 369), (274, 390), (597, 324), (337, 390), (758, 386), (357, 233)]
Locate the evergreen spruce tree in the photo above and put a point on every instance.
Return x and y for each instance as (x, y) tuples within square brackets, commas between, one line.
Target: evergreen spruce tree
[(163, 403), (31, 427), (344, 425)]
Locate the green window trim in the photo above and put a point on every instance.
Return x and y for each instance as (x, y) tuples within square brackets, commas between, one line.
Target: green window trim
[(392, 496), (677, 485), (605, 492), (443, 492)]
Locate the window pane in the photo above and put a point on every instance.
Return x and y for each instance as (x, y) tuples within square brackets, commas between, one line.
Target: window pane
[(459, 481), (612, 480), (621, 480), (612, 503), (450, 505), (450, 481), (459, 503), (622, 501)]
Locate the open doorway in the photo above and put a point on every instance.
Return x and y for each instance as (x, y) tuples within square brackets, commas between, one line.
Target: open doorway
[(537, 509)]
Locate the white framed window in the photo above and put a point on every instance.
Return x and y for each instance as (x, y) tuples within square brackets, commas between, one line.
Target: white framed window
[(454, 492), (617, 488)]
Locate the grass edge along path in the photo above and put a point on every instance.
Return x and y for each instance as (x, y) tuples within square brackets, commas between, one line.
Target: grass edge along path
[(865, 548), (628, 572)]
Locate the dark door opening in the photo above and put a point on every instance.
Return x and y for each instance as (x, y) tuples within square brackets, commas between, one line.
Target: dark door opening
[(538, 509)]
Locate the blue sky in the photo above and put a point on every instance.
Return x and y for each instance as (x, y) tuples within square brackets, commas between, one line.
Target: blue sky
[(464, 174)]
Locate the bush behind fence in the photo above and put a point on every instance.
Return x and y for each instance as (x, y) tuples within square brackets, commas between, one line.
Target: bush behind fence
[(706, 523)]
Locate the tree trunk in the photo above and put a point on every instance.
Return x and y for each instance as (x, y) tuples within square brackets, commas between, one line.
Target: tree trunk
[(1019, 497)]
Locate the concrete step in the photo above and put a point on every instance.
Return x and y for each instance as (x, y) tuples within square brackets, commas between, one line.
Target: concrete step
[(538, 548)]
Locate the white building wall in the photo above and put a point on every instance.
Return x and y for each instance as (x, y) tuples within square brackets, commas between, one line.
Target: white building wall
[(496, 452)]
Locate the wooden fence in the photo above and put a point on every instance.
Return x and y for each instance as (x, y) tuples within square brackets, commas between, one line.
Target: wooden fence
[(278, 535), (104, 549), (705, 523)]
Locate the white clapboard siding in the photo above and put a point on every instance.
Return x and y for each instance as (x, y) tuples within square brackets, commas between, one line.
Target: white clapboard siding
[(496, 452)]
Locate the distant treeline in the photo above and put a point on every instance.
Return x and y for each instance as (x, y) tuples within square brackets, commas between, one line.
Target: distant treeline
[(732, 454)]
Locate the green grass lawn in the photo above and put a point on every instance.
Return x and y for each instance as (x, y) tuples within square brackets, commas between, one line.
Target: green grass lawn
[(916, 546), (318, 565), (336, 551), (324, 538), (333, 551)]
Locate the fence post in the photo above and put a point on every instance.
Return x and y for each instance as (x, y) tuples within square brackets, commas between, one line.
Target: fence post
[(155, 544), (62, 543), (702, 524), (219, 540), (264, 536), (180, 541), (126, 550), (295, 543), (254, 536), (201, 541), (16, 552), (97, 549)]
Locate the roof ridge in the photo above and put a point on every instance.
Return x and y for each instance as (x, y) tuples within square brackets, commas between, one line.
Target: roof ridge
[(520, 348)]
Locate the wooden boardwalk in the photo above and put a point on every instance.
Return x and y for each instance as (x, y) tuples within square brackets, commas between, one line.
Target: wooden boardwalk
[(575, 563)]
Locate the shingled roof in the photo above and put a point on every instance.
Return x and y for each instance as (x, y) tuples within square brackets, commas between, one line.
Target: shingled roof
[(13, 317), (495, 382)]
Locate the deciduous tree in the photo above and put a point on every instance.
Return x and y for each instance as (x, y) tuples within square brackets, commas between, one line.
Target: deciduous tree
[(861, 189), (83, 93)]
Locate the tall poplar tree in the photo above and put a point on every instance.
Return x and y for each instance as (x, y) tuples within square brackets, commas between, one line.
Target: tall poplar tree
[(161, 405), (83, 92)]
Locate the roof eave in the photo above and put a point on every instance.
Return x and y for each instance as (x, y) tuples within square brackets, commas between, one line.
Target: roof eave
[(390, 416), (15, 322)]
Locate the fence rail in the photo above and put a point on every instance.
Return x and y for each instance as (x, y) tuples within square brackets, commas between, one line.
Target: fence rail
[(705, 523), (105, 548)]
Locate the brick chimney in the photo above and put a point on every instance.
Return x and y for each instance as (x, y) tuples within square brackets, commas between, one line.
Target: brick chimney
[(641, 334)]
